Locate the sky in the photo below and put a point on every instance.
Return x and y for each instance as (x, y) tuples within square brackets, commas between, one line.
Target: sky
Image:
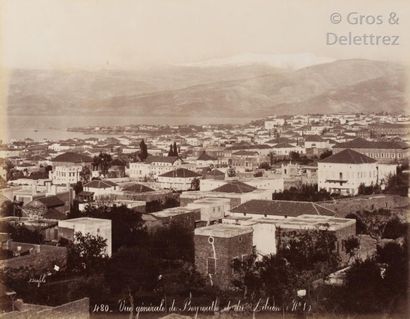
[(116, 34)]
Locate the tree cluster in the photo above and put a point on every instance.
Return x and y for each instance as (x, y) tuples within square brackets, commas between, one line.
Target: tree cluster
[(20, 233), (378, 224), (369, 190), (102, 162), (374, 285), (397, 184), (325, 154), (301, 259), (303, 193), (157, 205), (143, 151), (86, 254), (298, 158), (173, 150), (143, 264)]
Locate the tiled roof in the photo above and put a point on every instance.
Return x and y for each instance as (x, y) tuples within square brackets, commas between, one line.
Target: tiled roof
[(348, 156), (281, 208), (206, 157), (137, 188), (72, 157), (50, 201), (215, 172), (362, 143), (54, 214), (180, 172), (313, 138), (280, 140), (390, 125), (234, 187), (161, 159), (283, 145), (100, 184), (248, 146), (245, 153)]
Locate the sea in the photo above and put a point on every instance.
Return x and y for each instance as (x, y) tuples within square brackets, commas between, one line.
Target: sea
[(39, 128)]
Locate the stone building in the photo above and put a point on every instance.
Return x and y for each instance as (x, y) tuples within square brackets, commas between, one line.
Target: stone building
[(381, 151), (181, 216), (216, 247), (389, 129), (272, 232)]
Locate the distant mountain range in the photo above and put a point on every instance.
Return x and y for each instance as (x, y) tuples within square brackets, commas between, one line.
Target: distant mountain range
[(239, 87), (283, 61)]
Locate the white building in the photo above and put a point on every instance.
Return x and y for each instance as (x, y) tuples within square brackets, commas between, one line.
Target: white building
[(205, 160), (212, 209), (385, 171), (284, 149), (101, 188), (66, 174), (67, 167), (138, 170), (343, 172), (266, 229), (316, 141), (86, 225), (153, 166), (179, 179)]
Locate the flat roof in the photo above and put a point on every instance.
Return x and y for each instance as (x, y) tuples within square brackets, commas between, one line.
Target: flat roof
[(237, 217), (174, 211), (223, 230), (85, 221), (309, 222), (209, 202)]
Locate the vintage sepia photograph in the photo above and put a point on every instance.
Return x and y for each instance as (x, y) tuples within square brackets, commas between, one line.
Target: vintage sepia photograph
[(204, 159)]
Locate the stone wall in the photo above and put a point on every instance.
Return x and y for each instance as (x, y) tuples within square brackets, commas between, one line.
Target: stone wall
[(283, 235), (40, 260), (225, 250), (187, 220), (343, 207), (72, 310), (78, 309)]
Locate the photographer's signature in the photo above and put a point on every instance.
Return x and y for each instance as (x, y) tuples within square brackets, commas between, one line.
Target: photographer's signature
[(40, 280)]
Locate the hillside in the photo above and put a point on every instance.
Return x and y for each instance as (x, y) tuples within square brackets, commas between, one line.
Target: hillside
[(226, 90)]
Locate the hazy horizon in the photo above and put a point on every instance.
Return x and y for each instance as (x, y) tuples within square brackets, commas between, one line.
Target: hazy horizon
[(134, 35)]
